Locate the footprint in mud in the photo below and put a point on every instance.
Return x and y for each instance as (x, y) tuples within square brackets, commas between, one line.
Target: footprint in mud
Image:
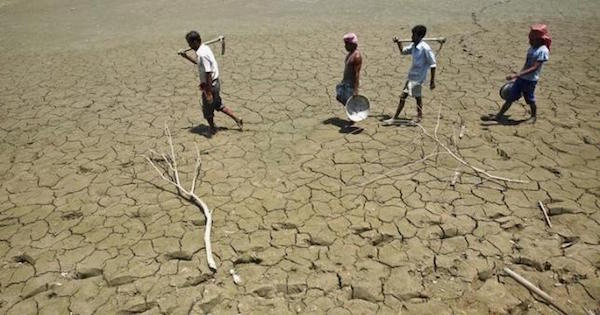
[(88, 273), (489, 138), (179, 255), (503, 154), (24, 259), (552, 170), (71, 215)]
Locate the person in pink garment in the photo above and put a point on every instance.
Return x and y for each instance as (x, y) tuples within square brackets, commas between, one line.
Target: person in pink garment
[(352, 64)]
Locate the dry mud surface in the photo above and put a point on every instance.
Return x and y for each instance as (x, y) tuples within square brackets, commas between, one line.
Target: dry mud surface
[(87, 227)]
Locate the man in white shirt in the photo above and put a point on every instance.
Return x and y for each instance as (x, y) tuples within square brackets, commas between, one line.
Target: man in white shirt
[(423, 60), (208, 71)]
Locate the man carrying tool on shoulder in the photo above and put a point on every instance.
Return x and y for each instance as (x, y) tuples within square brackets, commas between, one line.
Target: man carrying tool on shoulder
[(423, 59), (208, 71)]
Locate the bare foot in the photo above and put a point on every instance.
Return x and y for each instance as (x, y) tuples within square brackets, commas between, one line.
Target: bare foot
[(391, 121)]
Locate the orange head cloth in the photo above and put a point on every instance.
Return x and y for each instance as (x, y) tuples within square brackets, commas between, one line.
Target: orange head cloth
[(541, 31)]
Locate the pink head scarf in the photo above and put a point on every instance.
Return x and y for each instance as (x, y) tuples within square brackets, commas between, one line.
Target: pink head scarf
[(541, 31), (351, 38)]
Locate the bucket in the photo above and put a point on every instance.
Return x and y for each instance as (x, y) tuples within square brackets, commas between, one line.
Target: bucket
[(505, 90), (357, 108)]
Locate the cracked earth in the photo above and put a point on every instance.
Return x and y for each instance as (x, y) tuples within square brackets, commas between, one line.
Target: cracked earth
[(314, 218)]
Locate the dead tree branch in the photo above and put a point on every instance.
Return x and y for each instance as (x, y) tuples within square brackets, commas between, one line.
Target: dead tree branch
[(454, 155), (171, 175)]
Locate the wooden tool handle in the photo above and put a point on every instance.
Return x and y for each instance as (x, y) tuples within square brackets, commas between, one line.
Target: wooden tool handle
[(221, 39), (427, 39)]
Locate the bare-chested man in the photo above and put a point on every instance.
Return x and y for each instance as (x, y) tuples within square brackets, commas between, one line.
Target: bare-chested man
[(349, 85)]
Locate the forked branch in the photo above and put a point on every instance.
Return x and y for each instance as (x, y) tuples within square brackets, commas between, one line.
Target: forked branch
[(454, 155), (171, 175)]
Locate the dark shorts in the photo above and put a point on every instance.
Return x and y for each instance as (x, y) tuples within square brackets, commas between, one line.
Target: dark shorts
[(522, 87), (343, 92), (208, 109)]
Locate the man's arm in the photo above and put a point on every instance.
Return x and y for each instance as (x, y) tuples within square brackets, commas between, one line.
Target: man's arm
[(398, 42), (186, 56), (357, 66), (403, 50), (526, 71), (430, 57)]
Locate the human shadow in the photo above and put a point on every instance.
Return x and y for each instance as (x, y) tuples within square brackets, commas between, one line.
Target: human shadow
[(486, 121), (204, 130), (346, 126), (380, 117)]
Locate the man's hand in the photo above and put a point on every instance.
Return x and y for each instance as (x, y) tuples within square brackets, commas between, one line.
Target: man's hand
[(395, 39), (355, 92), (206, 91), (183, 53), (511, 77), (208, 95), (432, 85)]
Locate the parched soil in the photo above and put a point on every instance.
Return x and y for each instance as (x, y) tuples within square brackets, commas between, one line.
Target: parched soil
[(314, 216)]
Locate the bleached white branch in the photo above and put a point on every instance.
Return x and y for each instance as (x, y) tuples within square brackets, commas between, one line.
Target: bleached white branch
[(189, 195), (399, 168), (196, 169), (545, 211), (531, 287), (454, 155)]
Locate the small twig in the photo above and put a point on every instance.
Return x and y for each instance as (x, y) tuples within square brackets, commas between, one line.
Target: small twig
[(399, 168), (196, 169), (545, 213), (160, 173), (566, 245), (455, 142), (531, 287), (437, 123), (459, 159), (173, 167)]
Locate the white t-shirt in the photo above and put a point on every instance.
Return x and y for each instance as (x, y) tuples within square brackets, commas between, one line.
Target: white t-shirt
[(206, 63), (422, 60), (541, 54)]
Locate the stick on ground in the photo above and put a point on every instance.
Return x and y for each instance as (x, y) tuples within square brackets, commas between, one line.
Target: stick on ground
[(524, 282), (545, 213), (481, 173), (454, 155), (172, 177), (388, 174)]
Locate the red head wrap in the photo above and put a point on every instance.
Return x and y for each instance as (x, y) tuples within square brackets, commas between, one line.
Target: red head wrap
[(540, 31)]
